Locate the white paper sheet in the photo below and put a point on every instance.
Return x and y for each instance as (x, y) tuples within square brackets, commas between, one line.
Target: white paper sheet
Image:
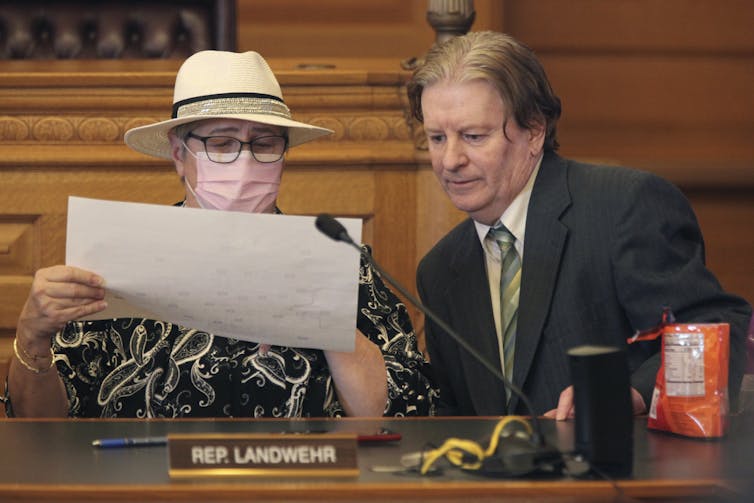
[(265, 278)]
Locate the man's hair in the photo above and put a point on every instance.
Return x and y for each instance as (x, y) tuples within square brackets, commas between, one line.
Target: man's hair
[(510, 66)]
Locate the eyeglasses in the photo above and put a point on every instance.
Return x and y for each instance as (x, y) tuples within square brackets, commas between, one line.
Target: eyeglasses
[(226, 149)]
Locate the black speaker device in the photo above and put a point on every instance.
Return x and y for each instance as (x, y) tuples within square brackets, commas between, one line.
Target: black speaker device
[(604, 415)]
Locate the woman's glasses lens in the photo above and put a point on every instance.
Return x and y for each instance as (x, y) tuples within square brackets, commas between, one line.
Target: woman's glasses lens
[(226, 149)]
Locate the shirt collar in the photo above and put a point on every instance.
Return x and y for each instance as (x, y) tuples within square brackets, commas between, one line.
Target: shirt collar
[(514, 216)]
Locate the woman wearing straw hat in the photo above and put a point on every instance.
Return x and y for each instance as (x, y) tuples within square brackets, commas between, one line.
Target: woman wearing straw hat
[(227, 137)]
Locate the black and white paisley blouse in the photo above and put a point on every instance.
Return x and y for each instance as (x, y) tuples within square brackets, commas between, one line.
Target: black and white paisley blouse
[(146, 368)]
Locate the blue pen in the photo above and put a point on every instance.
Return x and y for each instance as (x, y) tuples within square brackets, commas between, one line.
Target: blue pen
[(115, 443)]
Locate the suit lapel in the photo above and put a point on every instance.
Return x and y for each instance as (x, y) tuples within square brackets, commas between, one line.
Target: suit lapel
[(543, 247), (471, 315)]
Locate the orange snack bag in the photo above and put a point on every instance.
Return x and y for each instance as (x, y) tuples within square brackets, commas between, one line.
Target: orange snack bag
[(690, 397)]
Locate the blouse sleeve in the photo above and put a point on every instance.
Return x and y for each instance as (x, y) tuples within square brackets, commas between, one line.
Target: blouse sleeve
[(383, 318), (81, 359)]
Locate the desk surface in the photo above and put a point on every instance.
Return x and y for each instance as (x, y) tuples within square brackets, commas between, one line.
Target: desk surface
[(54, 461)]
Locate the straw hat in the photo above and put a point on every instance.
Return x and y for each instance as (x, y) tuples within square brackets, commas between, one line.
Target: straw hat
[(223, 85)]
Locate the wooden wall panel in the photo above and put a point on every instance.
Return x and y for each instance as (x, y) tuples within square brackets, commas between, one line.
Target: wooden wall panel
[(631, 26), (726, 217), (306, 29), (334, 28), (655, 108)]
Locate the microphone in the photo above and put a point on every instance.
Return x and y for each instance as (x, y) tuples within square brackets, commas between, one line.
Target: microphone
[(330, 227)]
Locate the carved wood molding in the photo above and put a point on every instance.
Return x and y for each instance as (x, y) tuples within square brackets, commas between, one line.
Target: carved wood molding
[(87, 129), (68, 103)]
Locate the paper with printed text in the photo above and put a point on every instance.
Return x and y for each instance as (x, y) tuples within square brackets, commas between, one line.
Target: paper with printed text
[(264, 278)]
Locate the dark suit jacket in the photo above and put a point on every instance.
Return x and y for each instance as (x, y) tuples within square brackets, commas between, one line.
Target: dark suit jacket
[(605, 249)]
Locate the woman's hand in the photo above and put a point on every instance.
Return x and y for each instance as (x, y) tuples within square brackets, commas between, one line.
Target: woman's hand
[(58, 295)]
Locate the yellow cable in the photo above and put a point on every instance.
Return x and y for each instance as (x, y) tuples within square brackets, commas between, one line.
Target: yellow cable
[(454, 449), (499, 428)]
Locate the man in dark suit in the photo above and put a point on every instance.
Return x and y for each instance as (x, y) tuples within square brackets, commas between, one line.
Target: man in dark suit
[(556, 253)]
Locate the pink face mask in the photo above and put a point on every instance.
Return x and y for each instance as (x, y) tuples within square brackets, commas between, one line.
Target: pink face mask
[(242, 185)]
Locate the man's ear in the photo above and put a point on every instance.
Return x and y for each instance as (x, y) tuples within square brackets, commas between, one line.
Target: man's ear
[(177, 151), (537, 133)]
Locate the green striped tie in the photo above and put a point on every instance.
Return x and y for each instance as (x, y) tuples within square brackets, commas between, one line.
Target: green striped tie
[(510, 286)]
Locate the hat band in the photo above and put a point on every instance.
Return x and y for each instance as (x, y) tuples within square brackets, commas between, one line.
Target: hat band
[(232, 104)]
